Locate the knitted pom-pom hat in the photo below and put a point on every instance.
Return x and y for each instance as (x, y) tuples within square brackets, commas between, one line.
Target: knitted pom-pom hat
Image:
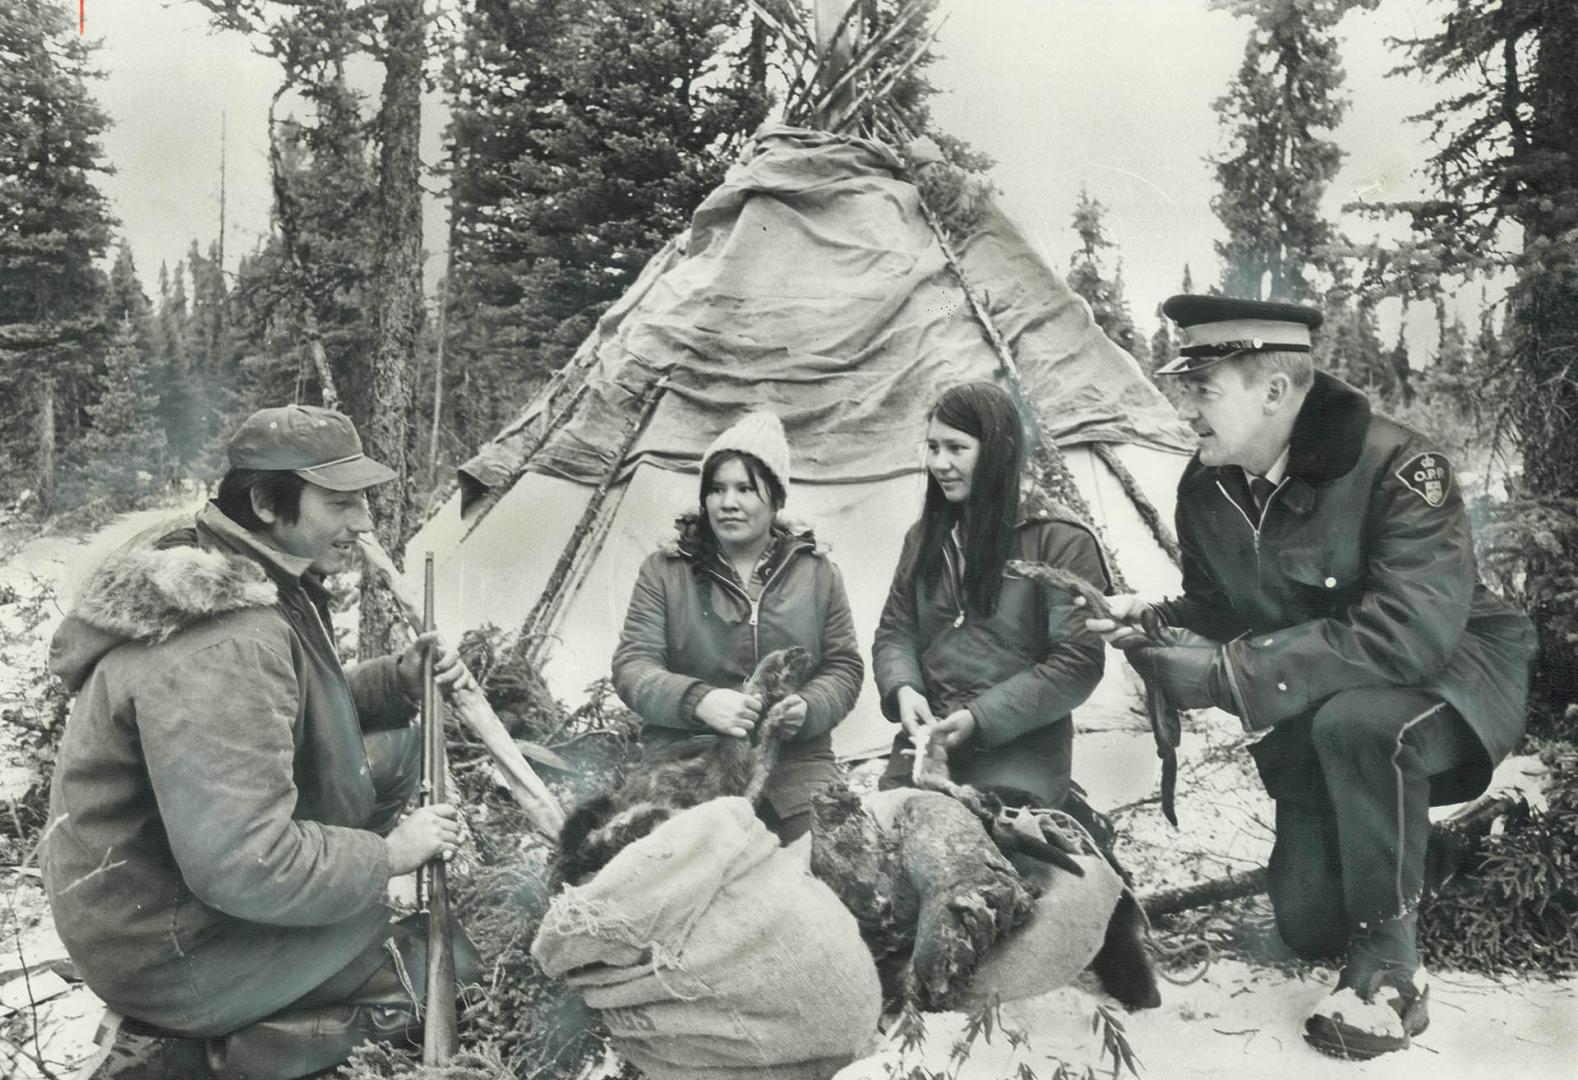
[(760, 434)]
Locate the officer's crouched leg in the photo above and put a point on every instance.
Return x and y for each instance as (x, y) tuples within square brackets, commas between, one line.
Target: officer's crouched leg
[(1304, 879), (394, 759)]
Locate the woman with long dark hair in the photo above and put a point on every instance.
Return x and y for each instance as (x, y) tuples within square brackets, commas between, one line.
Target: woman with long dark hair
[(737, 584), (992, 663)]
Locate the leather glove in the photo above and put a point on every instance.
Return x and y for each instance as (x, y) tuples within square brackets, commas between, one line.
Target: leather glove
[(1189, 669)]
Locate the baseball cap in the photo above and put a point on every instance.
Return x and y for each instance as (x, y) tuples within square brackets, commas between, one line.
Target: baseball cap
[(319, 445)]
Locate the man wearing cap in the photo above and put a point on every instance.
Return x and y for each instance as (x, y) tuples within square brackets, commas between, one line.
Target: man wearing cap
[(225, 810), (1331, 601)]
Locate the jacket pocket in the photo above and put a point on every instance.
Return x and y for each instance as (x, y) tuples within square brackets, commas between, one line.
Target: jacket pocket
[(1319, 579), (965, 660)]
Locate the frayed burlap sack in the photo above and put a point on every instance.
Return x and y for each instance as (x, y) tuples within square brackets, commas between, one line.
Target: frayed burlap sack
[(711, 952)]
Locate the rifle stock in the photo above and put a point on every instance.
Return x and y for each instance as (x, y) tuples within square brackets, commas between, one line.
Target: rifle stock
[(439, 1035)]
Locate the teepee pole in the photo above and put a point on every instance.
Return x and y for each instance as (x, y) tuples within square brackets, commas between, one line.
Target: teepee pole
[(533, 630), (842, 88), (835, 45), (551, 423), (1148, 513)]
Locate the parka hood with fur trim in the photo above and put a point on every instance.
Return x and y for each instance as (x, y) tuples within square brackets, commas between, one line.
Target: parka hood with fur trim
[(148, 592), (685, 541)]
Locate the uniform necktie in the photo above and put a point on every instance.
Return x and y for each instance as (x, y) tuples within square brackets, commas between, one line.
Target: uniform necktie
[(1261, 490)]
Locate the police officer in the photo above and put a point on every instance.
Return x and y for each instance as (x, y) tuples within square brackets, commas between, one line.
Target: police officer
[(1331, 601)]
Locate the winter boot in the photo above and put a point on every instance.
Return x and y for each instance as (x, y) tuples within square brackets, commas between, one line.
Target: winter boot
[(1363, 1022)]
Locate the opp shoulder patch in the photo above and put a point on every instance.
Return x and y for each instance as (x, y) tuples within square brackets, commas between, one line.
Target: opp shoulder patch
[(1428, 475)]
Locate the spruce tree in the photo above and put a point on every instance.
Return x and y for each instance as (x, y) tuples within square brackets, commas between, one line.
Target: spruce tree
[(1164, 344), (54, 226), (1278, 116), (126, 299), (583, 136), (120, 458), (1506, 129), (1087, 276)]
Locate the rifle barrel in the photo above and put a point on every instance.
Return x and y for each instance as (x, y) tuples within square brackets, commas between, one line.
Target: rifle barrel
[(439, 1037)]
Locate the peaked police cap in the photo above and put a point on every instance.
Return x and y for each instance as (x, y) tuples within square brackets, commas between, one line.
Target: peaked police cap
[(1216, 328)]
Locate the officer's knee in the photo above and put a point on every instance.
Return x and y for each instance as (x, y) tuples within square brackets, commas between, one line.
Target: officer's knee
[(1349, 725)]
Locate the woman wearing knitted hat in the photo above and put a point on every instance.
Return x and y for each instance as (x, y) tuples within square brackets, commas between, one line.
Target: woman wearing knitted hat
[(990, 662), (737, 584)]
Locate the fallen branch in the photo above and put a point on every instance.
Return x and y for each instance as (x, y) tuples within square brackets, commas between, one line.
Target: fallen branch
[(1214, 891), (1450, 834)]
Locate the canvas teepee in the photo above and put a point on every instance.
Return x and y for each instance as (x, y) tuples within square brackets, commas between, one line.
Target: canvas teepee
[(813, 282)]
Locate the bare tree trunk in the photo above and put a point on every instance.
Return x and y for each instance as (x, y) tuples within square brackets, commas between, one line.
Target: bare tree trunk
[(438, 379), (397, 303), (756, 56), (1542, 329), (44, 482), (320, 359), (443, 328)]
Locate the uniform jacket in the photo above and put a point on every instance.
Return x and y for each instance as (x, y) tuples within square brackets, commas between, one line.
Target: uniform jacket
[(1020, 671), (1360, 572), (206, 860), (691, 627)]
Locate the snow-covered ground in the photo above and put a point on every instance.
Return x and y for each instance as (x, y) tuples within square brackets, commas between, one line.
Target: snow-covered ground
[(1241, 1018)]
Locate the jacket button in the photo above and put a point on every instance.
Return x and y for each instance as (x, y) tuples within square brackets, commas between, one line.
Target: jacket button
[(1331, 583), (1282, 686)]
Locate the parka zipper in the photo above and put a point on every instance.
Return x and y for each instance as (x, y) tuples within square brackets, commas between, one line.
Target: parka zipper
[(756, 604), (1254, 527), (955, 584)]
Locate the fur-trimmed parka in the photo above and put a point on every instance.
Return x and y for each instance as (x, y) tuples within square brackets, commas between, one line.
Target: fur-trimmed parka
[(691, 627), (208, 858)]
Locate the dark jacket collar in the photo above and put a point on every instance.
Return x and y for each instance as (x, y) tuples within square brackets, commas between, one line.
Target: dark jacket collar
[(1328, 434)]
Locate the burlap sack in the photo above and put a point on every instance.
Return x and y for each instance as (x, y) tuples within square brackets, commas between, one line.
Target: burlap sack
[(711, 952)]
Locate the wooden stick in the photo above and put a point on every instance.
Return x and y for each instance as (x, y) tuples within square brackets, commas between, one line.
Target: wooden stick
[(1147, 509), (1460, 824), (547, 606), (862, 64), (1214, 891), (474, 711)]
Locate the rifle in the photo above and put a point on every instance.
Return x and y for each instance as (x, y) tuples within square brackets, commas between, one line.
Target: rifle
[(439, 1037), (474, 711)]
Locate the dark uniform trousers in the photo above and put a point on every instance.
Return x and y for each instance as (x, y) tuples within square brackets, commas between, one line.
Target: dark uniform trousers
[(379, 994), (1351, 782)]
